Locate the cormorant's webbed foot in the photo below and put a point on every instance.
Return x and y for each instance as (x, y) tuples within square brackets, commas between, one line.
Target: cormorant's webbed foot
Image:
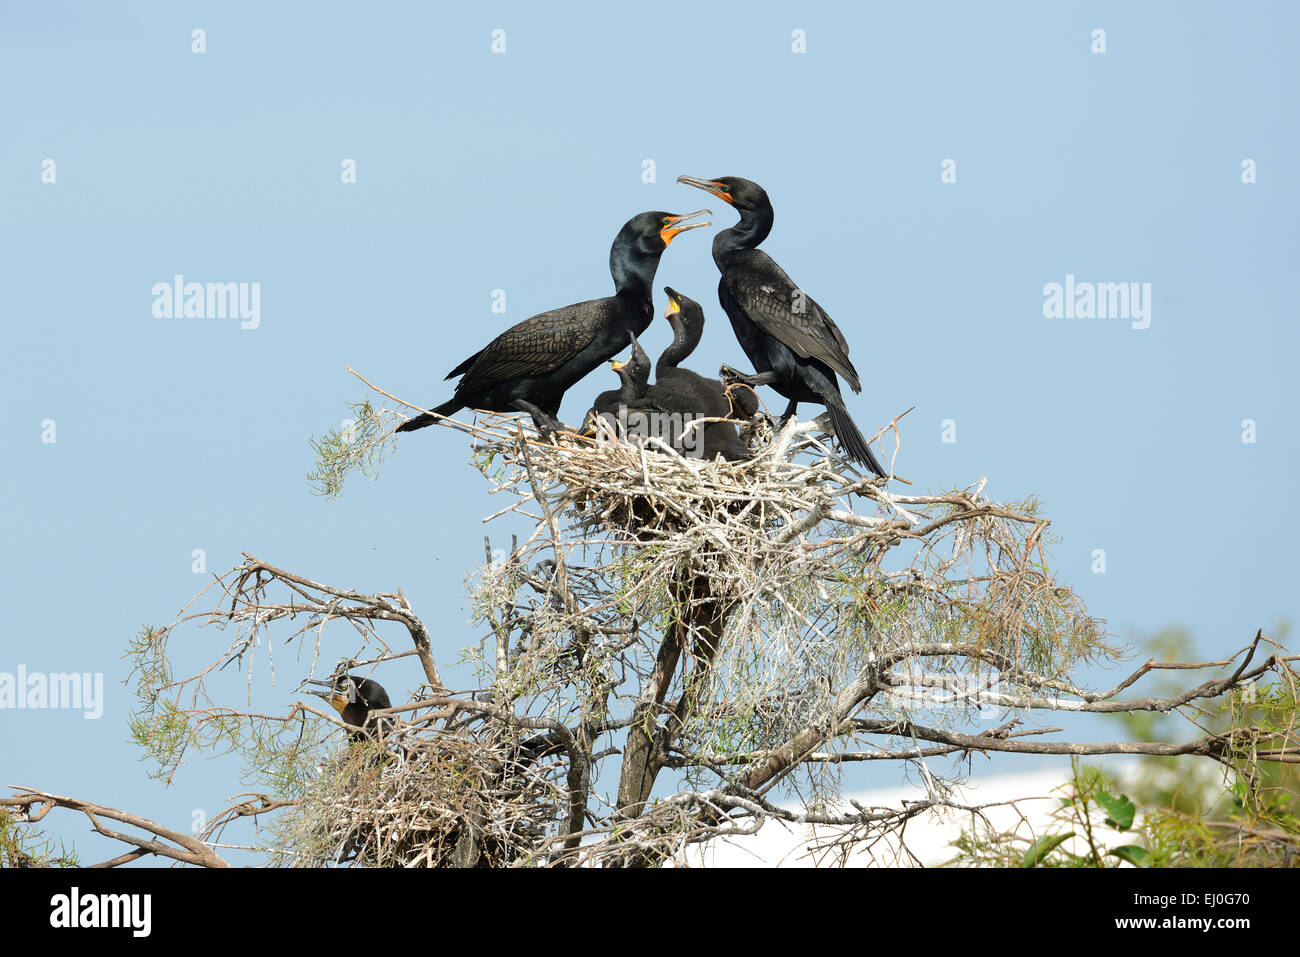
[(545, 422), (787, 415), (730, 375)]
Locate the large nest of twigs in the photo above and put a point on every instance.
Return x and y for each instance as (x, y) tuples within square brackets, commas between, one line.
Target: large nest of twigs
[(440, 801), (646, 485), (736, 523)]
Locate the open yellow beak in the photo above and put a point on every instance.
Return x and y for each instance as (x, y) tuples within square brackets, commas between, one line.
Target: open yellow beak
[(674, 225)]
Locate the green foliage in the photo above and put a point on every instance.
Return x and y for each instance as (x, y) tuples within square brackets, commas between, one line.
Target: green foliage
[(276, 753), (1074, 836), (1042, 847), (1247, 816), (1254, 820), (1119, 810), (359, 444), (1133, 854), (21, 845)]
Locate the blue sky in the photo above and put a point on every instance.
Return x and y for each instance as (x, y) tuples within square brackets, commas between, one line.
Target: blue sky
[(478, 171)]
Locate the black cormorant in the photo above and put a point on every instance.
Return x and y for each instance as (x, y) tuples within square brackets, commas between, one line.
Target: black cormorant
[(792, 342), (663, 411), (686, 391), (529, 367), (634, 376), (354, 699), (617, 405), (686, 316)]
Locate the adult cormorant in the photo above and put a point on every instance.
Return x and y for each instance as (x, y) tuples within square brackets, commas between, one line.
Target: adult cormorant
[(354, 699), (529, 367), (792, 342)]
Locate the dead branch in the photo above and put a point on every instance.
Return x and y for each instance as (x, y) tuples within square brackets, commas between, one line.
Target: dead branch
[(187, 849), (740, 626)]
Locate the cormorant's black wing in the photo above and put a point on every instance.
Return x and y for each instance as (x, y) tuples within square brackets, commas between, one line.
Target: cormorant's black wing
[(463, 367), (536, 346), (768, 297)]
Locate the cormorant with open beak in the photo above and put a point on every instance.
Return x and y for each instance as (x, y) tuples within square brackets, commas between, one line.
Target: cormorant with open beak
[(530, 366), (634, 380), (792, 342), (354, 699), (665, 410), (686, 316), (686, 391)]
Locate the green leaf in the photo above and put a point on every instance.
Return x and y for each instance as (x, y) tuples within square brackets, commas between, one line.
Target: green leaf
[(1137, 856), (1120, 810), (1042, 847)]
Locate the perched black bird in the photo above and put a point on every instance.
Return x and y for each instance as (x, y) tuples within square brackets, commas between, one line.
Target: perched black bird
[(686, 316), (685, 391), (792, 342), (634, 406), (635, 379), (354, 699), (529, 367), (664, 411)]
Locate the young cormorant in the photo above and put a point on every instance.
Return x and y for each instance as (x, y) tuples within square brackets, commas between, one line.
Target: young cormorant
[(630, 396), (634, 379), (663, 411), (529, 367), (792, 342), (354, 699), (689, 392), (686, 316)]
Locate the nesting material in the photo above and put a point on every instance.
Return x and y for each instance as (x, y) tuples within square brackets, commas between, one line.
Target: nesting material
[(700, 614)]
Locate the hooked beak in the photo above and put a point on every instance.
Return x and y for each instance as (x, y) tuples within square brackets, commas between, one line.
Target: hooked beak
[(674, 225), (674, 302), (709, 186), (337, 700)]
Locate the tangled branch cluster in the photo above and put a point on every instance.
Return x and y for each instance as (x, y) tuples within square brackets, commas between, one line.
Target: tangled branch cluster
[(672, 648), (707, 613)]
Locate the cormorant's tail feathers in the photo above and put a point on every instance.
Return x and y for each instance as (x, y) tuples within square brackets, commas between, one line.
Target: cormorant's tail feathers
[(426, 419), (853, 441), (419, 422)]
